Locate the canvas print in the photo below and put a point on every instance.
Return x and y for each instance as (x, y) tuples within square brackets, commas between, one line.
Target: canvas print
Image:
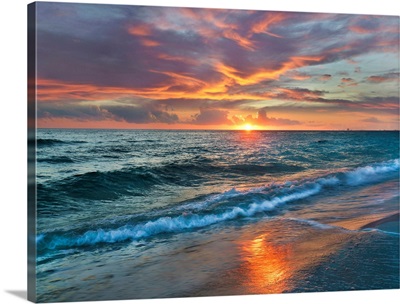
[(185, 152)]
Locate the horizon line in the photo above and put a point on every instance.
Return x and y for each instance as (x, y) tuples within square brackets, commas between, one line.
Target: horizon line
[(234, 130)]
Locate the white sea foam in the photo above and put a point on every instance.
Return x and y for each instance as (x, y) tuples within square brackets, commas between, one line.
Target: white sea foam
[(313, 223), (211, 199), (371, 173)]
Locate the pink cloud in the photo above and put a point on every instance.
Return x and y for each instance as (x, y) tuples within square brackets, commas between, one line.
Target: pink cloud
[(384, 78)]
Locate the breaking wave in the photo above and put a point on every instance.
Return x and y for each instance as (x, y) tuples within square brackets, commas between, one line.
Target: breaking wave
[(211, 211)]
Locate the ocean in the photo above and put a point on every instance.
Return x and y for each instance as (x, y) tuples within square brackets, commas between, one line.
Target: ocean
[(130, 214)]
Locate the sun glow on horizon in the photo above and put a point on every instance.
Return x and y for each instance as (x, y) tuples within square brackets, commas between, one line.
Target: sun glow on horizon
[(248, 127)]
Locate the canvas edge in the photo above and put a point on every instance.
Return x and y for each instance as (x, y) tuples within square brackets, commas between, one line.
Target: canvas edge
[(31, 124)]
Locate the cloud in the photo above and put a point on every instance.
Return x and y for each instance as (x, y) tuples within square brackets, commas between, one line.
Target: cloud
[(371, 120), (214, 47), (142, 114), (140, 29), (206, 61), (325, 77), (371, 25), (72, 111), (211, 117), (388, 104), (263, 120), (347, 82), (296, 75), (267, 20), (299, 94), (139, 114), (383, 78)]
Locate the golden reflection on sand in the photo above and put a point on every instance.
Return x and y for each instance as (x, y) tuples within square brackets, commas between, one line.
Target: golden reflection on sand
[(267, 267), (275, 262)]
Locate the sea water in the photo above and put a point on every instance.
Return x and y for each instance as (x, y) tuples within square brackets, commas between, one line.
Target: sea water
[(151, 213)]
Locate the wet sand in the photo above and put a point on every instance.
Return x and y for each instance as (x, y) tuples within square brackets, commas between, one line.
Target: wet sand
[(383, 221), (389, 223)]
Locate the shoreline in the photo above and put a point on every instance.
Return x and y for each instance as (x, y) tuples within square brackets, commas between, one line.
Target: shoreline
[(388, 221), (391, 218)]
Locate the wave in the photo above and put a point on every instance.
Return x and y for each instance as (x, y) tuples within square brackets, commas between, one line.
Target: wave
[(56, 160), (371, 173), (169, 224), (52, 142), (128, 181), (48, 142), (273, 196)]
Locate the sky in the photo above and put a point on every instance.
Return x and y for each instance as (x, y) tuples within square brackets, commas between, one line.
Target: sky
[(110, 66)]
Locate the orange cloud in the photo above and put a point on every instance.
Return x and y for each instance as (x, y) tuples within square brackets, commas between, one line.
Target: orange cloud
[(263, 25), (178, 86), (185, 60), (215, 18), (140, 30), (179, 80), (244, 42), (264, 74), (143, 30), (297, 94), (150, 43)]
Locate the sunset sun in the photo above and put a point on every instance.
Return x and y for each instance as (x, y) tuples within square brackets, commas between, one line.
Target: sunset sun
[(248, 127)]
